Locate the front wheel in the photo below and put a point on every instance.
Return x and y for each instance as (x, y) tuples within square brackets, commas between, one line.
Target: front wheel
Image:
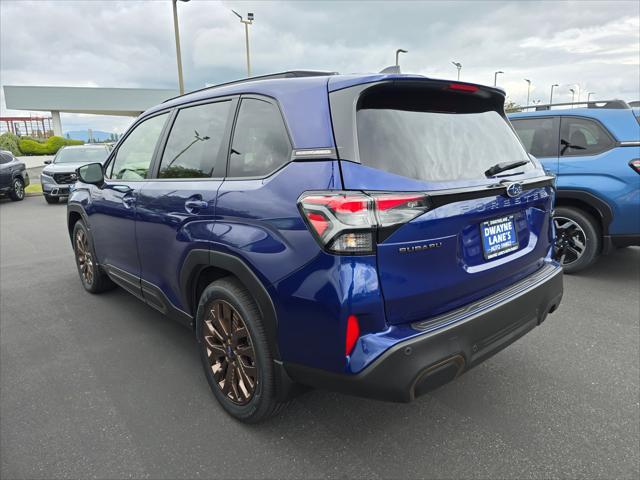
[(93, 278), (234, 351), (17, 190), (577, 239)]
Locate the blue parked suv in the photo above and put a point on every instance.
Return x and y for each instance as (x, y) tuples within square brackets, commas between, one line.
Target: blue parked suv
[(372, 234), (594, 150)]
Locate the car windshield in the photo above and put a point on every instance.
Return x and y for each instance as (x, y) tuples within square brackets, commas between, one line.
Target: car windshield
[(86, 155)]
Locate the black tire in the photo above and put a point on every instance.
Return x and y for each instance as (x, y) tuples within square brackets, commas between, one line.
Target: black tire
[(581, 235), (49, 199), (262, 402), (17, 190), (93, 278)]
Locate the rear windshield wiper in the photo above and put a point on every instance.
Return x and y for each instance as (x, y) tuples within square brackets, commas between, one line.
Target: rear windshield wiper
[(504, 166)]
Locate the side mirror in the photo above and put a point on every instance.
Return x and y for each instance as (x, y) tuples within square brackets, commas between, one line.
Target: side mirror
[(92, 173), (47, 162)]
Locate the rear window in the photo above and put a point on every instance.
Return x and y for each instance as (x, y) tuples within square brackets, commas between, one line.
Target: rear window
[(436, 146)]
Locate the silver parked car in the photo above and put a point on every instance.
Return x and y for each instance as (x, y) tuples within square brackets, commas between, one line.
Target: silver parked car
[(58, 176)]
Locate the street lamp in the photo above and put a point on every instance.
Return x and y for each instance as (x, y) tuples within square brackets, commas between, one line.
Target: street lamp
[(528, 89), (459, 67), (398, 52), (589, 96), (495, 77), (247, 22), (178, 54), (573, 96), (551, 96)]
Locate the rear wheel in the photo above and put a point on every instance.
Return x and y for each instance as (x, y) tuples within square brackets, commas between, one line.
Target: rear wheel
[(50, 199), (577, 239), (234, 351), (93, 278), (17, 190)]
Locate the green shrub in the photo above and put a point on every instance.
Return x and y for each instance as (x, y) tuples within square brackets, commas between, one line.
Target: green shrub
[(28, 146), (9, 141)]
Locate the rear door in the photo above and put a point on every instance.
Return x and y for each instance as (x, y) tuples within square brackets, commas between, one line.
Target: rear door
[(5, 170), (592, 160), (540, 136), (176, 207), (479, 233)]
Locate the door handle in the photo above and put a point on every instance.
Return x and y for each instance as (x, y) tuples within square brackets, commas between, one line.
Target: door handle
[(194, 205)]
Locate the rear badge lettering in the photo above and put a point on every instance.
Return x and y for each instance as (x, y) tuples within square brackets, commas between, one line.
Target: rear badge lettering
[(420, 248)]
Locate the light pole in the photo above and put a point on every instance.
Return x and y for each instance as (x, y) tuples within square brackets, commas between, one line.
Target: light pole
[(495, 77), (398, 52), (528, 89), (589, 96), (247, 22), (573, 96), (178, 54), (551, 96), (459, 67)]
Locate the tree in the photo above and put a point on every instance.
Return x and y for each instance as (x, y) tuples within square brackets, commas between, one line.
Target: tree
[(510, 106)]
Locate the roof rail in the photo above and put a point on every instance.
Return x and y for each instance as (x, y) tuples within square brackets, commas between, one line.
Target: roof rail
[(271, 76), (611, 104)]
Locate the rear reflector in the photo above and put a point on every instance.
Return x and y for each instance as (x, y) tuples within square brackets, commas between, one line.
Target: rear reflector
[(463, 87), (353, 332), (346, 222)]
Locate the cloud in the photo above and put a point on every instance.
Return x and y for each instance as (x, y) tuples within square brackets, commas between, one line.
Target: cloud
[(131, 44)]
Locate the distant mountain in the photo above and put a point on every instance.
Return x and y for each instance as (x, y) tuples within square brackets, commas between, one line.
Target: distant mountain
[(97, 135)]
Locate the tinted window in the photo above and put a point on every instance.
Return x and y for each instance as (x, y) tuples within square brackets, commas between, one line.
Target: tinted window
[(194, 142), (435, 146), (4, 158), (135, 153), (580, 136), (539, 136), (260, 142), (88, 155)]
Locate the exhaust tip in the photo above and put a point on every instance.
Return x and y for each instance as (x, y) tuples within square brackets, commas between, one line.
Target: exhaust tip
[(438, 374)]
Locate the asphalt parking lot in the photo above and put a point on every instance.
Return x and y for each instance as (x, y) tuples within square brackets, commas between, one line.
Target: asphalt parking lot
[(103, 386)]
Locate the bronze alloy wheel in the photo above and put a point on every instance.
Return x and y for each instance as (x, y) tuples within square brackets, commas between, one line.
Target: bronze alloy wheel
[(230, 352), (85, 259)]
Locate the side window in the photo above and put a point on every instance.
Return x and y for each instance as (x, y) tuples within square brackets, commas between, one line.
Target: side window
[(135, 153), (4, 158), (194, 142), (260, 141), (581, 136), (539, 135)]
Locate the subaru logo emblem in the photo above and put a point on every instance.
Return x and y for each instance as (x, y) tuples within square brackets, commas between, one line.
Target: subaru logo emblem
[(514, 189)]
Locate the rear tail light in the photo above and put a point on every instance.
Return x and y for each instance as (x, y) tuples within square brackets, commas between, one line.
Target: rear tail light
[(635, 164), (349, 222)]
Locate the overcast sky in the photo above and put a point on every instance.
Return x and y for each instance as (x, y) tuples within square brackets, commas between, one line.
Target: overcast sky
[(131, 44)]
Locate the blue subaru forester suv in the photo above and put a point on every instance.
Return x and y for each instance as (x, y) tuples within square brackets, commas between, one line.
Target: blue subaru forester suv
[(375, 234), (594, 149)]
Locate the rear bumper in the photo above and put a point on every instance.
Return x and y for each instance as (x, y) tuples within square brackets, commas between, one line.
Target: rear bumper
[(450, 344)]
